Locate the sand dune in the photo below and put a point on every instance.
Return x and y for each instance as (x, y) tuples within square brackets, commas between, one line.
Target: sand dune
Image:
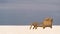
[(26, 30)]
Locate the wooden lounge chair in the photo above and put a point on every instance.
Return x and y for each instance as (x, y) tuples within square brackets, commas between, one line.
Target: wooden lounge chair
[(47, 22)]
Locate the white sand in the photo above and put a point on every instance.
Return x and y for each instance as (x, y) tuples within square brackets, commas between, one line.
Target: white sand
[(26, 30)]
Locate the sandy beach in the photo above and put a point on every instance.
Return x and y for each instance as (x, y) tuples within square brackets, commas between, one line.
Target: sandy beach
[(26, 30)]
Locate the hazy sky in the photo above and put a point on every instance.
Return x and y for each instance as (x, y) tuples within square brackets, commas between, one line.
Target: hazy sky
[(15, 12)]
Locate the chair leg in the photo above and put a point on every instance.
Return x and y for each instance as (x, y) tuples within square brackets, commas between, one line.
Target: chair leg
[(50, 26), (33, 27), (43, 27), (36, 27)]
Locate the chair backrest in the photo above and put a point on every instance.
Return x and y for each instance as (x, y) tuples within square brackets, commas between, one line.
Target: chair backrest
[(48, 21)]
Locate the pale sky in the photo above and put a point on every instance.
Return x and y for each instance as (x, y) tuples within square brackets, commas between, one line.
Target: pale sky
[(21, 12)]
